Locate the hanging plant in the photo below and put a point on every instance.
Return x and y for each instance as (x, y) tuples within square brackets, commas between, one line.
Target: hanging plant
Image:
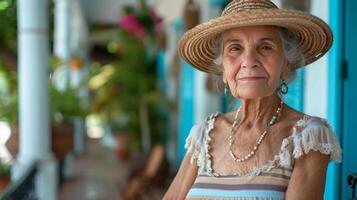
[(125, 88)]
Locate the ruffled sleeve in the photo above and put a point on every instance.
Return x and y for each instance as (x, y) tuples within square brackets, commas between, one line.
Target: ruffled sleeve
[(194, 143), (315, 134)]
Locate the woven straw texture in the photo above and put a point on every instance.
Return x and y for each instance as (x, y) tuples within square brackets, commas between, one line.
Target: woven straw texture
[(196, 45)]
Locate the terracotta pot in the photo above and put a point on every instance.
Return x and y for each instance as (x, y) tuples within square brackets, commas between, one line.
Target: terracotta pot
[(4, 182), (122, 150), (12, 143), (62, 140)]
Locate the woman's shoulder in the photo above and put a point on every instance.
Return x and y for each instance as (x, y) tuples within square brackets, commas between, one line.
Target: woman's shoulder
[(305, 125), (312, 133), (309, 123), (309, 133), (300, 121)]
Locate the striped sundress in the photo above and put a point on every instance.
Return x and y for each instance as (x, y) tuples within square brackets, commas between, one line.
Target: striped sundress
[(267, 182)]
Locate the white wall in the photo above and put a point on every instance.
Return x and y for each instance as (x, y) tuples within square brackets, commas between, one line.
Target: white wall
[(315, 100), (206, 102), (103, 11), (108, 11), (169, 9)]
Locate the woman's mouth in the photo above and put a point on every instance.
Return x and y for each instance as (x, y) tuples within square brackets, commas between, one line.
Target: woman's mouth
[(251, 78)]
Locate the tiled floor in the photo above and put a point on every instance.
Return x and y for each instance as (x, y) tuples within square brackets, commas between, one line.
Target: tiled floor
[(99, 175)]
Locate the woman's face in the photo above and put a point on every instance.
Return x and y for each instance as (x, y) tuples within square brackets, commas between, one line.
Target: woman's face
[(253, 61)]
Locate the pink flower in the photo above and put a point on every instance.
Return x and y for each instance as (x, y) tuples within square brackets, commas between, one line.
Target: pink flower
[(158, 22), (157, 19), (132, 25)]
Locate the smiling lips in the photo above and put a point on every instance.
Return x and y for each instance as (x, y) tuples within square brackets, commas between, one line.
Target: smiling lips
[(252, 78)]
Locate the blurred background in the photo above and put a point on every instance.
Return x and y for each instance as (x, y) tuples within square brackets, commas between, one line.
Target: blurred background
[(95, 102)]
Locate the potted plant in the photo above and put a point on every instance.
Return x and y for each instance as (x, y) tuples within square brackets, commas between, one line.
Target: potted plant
[(124, 93), (107, 108), (134, 74), (65, 106), (118, 125)]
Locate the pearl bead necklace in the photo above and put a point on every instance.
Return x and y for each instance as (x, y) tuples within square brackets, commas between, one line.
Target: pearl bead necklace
[(255, 148)]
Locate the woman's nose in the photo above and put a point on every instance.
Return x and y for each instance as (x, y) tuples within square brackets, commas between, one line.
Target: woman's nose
[(249, 58)]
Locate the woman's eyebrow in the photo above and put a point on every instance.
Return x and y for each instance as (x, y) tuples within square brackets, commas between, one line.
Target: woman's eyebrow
[(237, 40), (233, 40), (268, 39)]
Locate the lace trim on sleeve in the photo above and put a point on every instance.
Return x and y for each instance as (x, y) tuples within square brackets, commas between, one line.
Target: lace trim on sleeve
[(194, 142), (317, 136)]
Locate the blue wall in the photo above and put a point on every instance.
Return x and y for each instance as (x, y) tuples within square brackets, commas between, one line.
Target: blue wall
[(186, 109), (295, 96), (218, 2), (186, 99)]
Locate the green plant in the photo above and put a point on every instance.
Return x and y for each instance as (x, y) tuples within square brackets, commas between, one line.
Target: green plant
[(66, 104), (125, 93), (8, 95), (125, 89), (8, 28), (5, 169)]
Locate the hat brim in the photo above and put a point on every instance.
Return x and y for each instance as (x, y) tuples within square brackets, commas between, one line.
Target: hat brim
[(196, 45)]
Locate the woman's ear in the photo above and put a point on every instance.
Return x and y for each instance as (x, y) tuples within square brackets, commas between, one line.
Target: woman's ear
[(224, 79), (285, 71)]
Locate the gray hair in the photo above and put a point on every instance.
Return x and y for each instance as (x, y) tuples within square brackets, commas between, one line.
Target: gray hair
[(291, 50)]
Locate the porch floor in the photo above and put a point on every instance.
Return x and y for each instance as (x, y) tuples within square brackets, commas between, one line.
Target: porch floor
[(99, 175)]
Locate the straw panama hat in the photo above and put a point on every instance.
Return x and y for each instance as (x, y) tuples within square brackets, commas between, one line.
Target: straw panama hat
[(196, 45)]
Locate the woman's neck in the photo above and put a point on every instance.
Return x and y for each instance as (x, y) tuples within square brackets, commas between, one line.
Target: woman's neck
[(258, 111)]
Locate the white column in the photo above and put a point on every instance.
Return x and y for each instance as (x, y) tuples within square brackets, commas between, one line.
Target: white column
[(79, 137), (33, 97), (62, 48), (80, 45)]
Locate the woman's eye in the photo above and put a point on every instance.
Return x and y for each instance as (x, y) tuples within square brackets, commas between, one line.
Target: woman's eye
[(233, 49), (266, 48)]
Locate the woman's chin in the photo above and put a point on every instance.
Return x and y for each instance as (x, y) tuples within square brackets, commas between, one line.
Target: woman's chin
[(253, 95)]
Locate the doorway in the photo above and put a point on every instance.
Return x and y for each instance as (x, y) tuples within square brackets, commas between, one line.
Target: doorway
[(349, 95)]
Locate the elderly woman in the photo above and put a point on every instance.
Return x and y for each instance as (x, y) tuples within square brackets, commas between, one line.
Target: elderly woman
[(265, 149)]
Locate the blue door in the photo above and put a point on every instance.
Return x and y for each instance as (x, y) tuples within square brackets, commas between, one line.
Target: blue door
[(349, 95)]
